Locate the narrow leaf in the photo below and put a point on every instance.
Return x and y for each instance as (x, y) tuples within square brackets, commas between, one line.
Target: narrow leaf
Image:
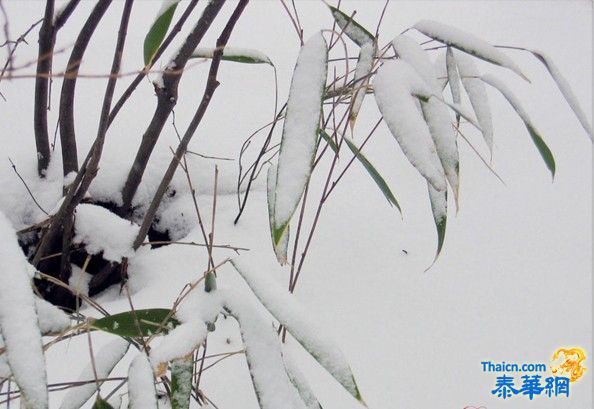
[(263, 355), (158, 30), (477, 94), (137, 323), (102, 404), (362, 71), (394, 84), (439, 203), (300, 324), (141, 384), (300, 131), (299, 381), (375, 175), (454, 80), (351, 28), (441, 69), (18, 322), (181, 382), (241, 55), (280, 248), (435, 113), (565, 89), (105, 360), (329, 141), (542, 147), (468, 43)]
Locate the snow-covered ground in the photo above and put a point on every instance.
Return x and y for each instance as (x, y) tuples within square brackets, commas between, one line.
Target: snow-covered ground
[(513, 282)]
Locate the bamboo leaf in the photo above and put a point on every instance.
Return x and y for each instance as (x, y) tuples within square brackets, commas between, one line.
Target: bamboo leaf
[(299, 381), (468, 43), (362, 72), (565, 89), (158, 30), (137, 323), (375, 175), (351, 28), (537, 139), (439, 203), (280, 248), (102, 404), (453, 80), (477, 94), (263, 354), (329, 141), (141, 384), (394, 86), (301, 326), (241, 55), (181, 382), (300, 131)]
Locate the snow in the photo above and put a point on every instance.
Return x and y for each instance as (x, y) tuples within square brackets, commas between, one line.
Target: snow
[(435, 112), (441, 69), (51, 318), (299, 380), (393, 85), (362, 71), (79, 280), (263, 353), (166, 5), (18, 321), (105, 360), (565, 89), (466, 42), (254, 56), (351, 29), (141, 384), (300, 324), (179, 342), (300, 130), (103, 232), (477, 94), (453, 76)]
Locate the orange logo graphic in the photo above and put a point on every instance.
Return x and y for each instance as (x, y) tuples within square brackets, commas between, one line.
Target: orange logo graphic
[(569, 361)]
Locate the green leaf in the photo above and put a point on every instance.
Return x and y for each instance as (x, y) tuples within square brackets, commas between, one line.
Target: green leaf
[(128, 324), (439, 203), (245, 56), (181, 382), (351, 28), (210, 282), (158, 30), (100, 403), (537, 139), (281, 247), (375, 175), (329, 140)]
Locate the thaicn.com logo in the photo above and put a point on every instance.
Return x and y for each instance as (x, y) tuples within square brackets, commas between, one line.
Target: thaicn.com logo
[(538, 380)]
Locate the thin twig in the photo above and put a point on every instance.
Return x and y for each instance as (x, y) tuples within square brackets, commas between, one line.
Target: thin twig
[(27, 187)]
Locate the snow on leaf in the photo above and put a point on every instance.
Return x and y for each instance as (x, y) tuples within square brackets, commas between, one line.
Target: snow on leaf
[(141, 384), (441, 69), (540, 144), (300, 325), (394, 83), (18, 322), (362, 71), (351, 28), (565, 89), (272, 385), (468, 43), (158, 29), (103, 232), (453, 79), (241, 55), (299, 381), (180, 341), (181, 382), (300, 131), (439, 203), (51, 318), (375, 175), (477, 94), (436, 114), (105, 360), (137, 323), (280, 248)]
